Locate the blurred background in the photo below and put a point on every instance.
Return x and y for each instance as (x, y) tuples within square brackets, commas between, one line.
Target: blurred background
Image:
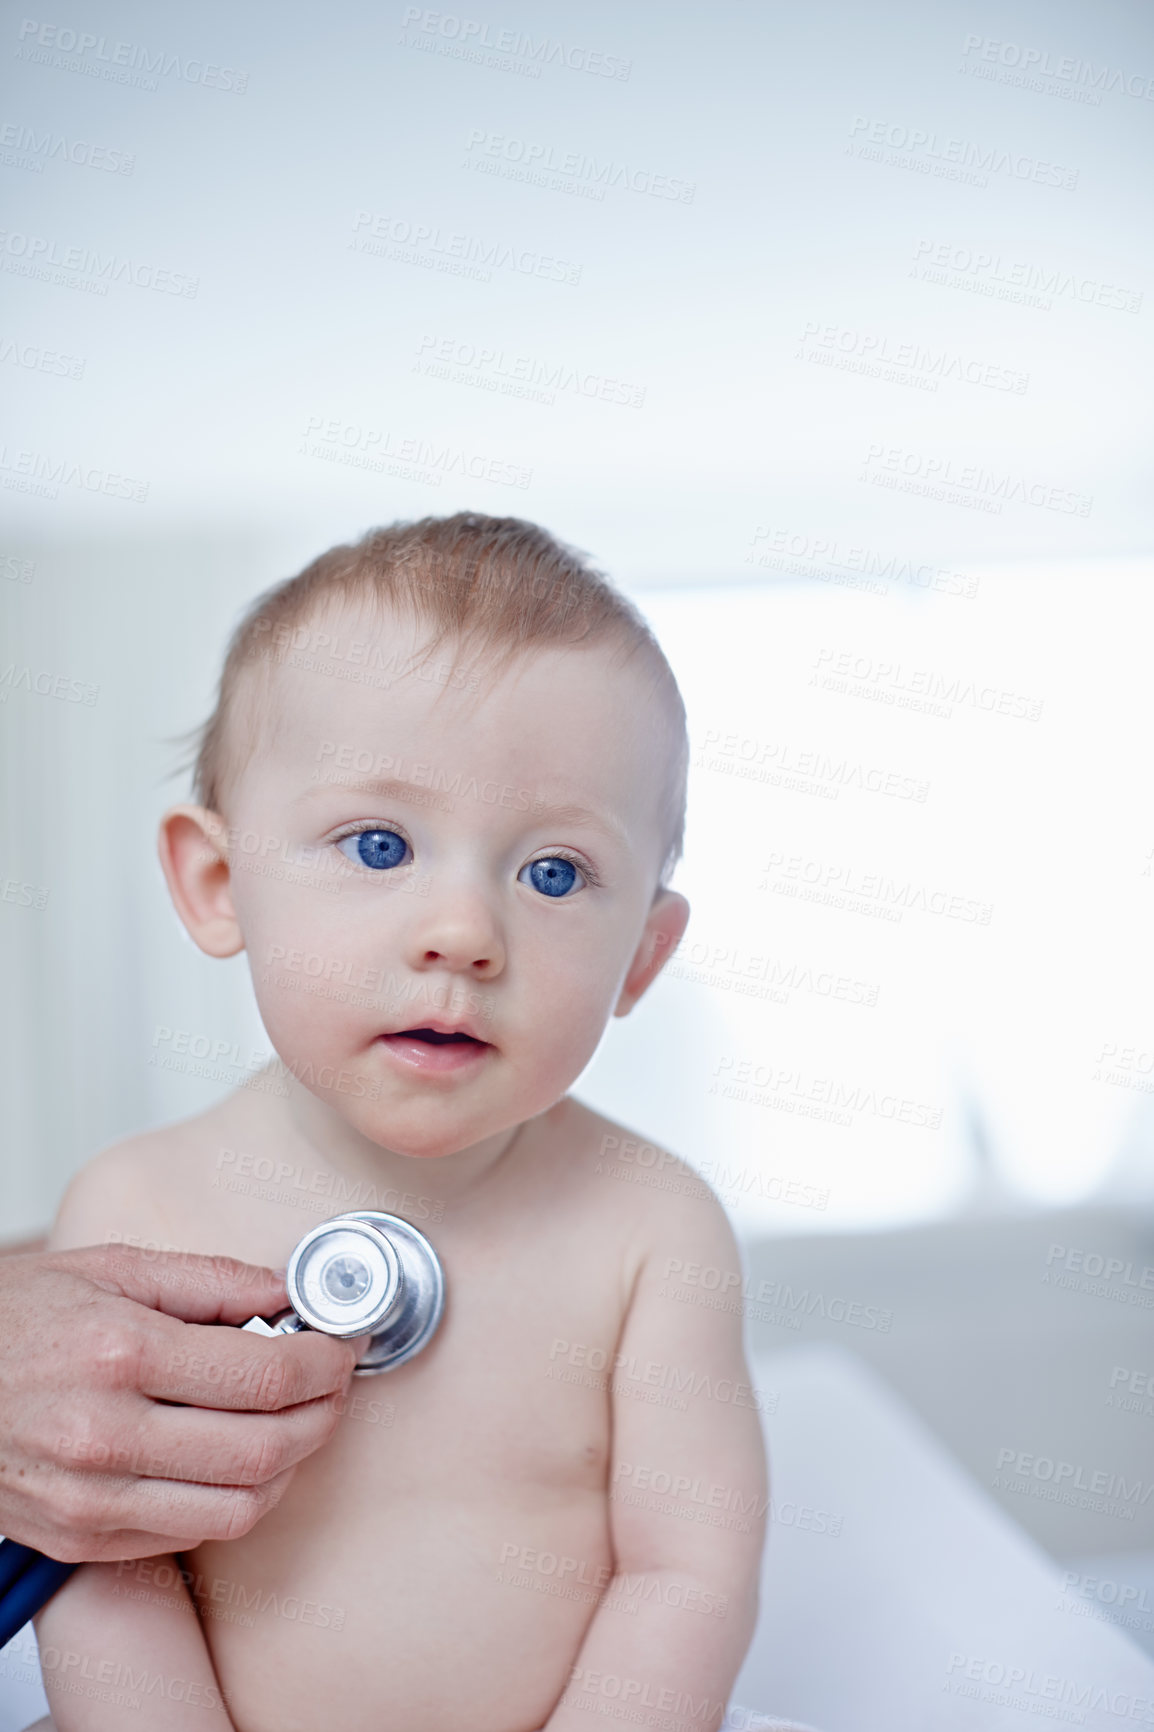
[(826, 330)]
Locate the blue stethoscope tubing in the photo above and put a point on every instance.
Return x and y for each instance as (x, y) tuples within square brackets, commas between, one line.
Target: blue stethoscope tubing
[(28, 1580)]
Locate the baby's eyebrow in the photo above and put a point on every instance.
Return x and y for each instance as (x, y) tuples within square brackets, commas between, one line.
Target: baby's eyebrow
[(571, 814), (378, 787), (391, 788)]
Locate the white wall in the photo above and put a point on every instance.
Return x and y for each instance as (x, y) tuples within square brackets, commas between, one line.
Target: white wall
[(822, 423)]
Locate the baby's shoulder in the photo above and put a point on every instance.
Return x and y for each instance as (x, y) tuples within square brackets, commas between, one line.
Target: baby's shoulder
[(641, 1183), (138, 1189)]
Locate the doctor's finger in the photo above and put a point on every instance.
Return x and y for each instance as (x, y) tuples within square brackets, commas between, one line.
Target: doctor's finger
[(206, 1366), (230, 1449), (141, 1517)]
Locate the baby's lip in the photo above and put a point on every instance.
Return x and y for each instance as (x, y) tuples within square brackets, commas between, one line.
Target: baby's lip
[(438, 1025)]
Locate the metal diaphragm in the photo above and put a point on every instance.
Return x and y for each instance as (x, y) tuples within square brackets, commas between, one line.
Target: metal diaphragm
[(344, 1278)]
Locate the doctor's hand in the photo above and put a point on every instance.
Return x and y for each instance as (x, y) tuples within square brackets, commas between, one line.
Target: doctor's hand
[(129, 1424)]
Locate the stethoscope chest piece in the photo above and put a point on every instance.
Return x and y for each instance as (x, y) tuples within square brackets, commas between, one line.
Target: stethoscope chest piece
[(367, 1273)]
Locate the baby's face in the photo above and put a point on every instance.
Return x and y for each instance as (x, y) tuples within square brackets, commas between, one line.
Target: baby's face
[(478, 853)]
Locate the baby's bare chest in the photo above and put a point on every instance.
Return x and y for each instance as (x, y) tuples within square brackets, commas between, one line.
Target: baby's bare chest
[(493, 1444)]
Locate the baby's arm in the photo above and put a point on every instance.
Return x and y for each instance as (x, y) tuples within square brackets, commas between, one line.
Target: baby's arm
[(687, 1497), (119, 1650)]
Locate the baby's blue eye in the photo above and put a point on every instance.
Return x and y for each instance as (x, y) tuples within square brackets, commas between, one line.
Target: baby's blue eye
[(379, 849), (553, 877)]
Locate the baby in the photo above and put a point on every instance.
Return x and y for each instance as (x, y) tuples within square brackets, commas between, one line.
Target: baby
[(438, 805)]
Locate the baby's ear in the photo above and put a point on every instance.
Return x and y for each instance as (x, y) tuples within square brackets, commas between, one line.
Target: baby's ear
[(194, 855), (664, 926)]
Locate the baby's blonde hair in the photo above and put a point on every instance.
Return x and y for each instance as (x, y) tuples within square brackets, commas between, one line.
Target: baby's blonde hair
[(500, 585)]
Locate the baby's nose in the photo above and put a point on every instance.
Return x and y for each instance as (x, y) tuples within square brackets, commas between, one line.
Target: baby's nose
[(479, 963), (461, 934)]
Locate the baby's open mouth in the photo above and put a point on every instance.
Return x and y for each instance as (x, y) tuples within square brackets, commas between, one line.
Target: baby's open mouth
[(436, 1038), (436, 1051)]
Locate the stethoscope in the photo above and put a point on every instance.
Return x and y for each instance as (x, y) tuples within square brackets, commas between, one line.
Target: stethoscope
[(367, 1273)]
